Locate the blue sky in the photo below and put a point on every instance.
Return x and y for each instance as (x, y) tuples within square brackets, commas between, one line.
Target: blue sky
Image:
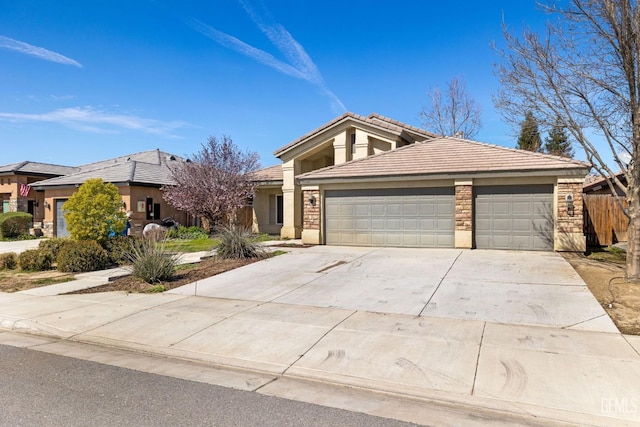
[(85, 81)]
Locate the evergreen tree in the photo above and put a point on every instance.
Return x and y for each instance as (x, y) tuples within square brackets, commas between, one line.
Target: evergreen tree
[(557, 143), (529, 138)]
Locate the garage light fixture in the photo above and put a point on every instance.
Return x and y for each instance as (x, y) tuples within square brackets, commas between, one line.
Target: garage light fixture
[(570, 208), (312, 200)]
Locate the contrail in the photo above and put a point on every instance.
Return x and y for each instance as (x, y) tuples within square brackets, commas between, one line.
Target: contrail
[(300, 65), (38, 52)]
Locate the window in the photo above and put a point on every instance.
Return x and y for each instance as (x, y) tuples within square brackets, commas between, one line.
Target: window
[(276, 210), (279, 209), (353, 142)]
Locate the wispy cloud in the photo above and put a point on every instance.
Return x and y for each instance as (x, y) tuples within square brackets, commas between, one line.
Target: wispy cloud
[(92, 120), (299, 64), (38, 52)]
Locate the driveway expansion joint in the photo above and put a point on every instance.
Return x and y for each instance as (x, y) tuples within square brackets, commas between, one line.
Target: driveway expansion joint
[(475, 374), (318, 340)]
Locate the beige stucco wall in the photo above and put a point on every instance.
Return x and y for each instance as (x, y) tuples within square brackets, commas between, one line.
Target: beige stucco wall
[(263, 211), (130, 197), (9, 191)]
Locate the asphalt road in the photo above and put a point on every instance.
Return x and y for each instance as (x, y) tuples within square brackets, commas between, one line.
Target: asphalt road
[(41, 389)]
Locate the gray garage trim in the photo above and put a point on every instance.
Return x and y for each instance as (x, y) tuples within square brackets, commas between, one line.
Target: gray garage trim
[(408, 217), (514, 217)]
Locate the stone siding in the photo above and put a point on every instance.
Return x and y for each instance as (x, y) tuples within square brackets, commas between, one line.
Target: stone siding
[(311, 220), (570, 221), (464, 203)]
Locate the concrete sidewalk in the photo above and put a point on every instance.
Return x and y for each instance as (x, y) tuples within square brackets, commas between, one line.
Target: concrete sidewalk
[(531, 373)]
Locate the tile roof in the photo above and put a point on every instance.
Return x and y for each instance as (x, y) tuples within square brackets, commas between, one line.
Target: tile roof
[(145, 168), (445, 155), (37, 168), (270, 174), (393, 126)]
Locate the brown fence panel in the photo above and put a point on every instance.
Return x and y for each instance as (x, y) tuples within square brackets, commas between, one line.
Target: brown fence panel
[(605, 222)]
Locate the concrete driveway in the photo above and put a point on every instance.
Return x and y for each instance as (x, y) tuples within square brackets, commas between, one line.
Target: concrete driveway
[(526, 288)]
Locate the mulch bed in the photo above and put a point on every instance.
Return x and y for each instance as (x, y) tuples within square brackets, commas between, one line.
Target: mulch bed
[(198, 271)]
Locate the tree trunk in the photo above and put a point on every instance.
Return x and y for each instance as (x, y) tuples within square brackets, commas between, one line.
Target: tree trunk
[(633, 240)]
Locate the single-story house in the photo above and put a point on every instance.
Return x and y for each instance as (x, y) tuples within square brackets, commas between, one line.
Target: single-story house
[(16, 181), (139, 178), (374, 181)]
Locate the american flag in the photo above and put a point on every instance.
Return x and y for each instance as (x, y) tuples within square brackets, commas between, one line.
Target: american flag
[(24, 190)]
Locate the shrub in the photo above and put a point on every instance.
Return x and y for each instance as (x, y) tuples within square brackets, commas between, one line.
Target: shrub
[(81, 256), (53, 246), (236, 243), (118, 248), (8, 261), (94, 212), (35, 260), (151, 262), (14, 224), (187, 233)]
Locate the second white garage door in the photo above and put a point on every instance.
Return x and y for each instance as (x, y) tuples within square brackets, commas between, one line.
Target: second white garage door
[(420, 217)]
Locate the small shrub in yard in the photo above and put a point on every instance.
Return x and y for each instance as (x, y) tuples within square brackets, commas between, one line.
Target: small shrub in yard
[(14, 224), (118, 248), (35, 260), (187, 233), (151, 262), (8, 261), (80, 256), (53, 246), (236, 243)]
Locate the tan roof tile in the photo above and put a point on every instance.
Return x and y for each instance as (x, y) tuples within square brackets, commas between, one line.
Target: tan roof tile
[(445, 155), (272, 173)]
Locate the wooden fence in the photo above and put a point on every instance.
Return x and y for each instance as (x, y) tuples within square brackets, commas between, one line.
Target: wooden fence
[(604, 220)]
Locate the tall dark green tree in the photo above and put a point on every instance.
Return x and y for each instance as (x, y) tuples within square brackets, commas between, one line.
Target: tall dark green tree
[(557, 142), (529, 138)]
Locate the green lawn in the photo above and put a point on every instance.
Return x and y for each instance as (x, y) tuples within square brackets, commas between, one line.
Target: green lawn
[(196, 245), (206, 243)]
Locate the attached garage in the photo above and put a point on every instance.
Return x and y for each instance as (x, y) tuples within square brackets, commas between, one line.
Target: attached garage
[(514, 217), (408, 217)]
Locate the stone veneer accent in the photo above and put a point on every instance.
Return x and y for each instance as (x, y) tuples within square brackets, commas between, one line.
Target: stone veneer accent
[(570, 223), (311, 219), (464, 203)]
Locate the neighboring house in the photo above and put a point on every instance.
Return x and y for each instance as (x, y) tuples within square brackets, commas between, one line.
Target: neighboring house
[(598, 185), (139, 178), (373, 181), (16, 181)]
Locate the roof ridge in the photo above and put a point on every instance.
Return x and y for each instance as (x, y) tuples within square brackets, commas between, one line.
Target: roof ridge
[(517, 150), (375, 115), (133, 166)]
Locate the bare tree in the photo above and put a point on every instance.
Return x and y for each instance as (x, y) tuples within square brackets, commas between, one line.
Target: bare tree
[(215, 183), (452, 113), (586, 70)]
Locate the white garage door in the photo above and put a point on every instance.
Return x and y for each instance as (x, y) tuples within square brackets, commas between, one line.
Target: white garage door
[(421, 217), (514, 217)]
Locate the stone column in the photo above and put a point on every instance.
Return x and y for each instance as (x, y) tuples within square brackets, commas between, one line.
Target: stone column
[(311, 216), (464, 214), (569, 223)]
